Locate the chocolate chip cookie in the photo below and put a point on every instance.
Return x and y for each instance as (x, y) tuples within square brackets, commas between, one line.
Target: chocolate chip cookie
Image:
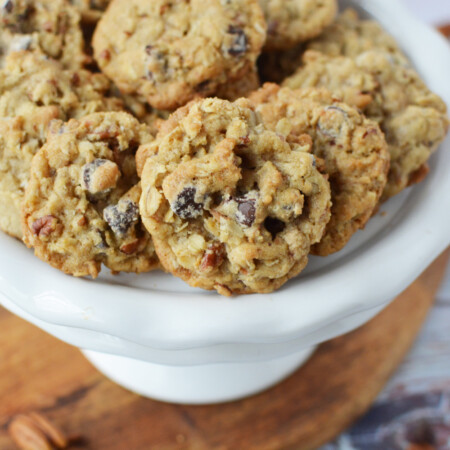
[(48, 26), (172, 51), (290, 22), (33, 92), (231, 205), (353, 149), (81, 204), (385, 86)]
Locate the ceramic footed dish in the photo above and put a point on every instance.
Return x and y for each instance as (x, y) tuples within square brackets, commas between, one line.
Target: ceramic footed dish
[(161, 338)]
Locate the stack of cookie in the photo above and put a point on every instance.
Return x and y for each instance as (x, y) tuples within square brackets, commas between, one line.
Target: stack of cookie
[(153, 145)]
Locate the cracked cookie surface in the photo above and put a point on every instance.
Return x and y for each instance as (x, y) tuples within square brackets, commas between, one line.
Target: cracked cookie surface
[(388, 90), (33, 92), (290, 22), (51, 27), (172, 51), (81, 206), (353, 150), (231, 205)]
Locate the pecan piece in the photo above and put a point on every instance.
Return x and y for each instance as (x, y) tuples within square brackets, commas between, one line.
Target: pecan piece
[(26, 434), (213, 257), (44, 226), (131, 247)]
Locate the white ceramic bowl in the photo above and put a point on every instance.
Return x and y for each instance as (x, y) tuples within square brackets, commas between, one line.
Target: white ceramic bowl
[(163, 339)]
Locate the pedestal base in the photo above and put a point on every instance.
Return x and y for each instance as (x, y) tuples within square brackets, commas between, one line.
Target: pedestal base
[(196, 384)]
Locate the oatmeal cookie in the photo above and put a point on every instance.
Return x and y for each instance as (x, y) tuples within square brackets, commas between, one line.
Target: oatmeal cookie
[(290, 22), (48, 26), (231, 206), (349, 35), (385, 86), (353, 149), (33, 92), (172, 51), (340, 75), (81, 206)]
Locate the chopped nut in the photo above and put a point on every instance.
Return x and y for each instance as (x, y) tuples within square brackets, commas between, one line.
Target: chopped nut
[(44, 226), (131, 247), (27, 435), (100, 175), (419, 175), (82, 222), (55, 435), (213, 257), (36, 432)]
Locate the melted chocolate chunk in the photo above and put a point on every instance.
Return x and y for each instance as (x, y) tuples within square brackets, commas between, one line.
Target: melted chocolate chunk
[(185, 205), (240, 42), (274, 226), (121, 217), (246, 212)]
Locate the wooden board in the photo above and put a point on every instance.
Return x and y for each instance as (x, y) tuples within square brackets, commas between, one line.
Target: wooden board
[(39, 373)]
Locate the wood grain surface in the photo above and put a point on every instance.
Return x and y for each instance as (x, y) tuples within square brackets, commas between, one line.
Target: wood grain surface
[(311, 407)]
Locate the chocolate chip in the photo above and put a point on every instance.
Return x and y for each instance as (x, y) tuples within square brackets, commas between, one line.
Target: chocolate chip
[(274, 226), (185, 205), (103, 245), (246, 210), (122, 216), (8, 6), (240, 43)]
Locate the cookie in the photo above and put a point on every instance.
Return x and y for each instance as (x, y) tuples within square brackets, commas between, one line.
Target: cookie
[(169, 52), (91, 10), (33, 92), (349, 35), (242, 88), (353, 149), (81, 204), (231, 206), (340, 75), (385, 86), (51, 27), (290, 22)]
